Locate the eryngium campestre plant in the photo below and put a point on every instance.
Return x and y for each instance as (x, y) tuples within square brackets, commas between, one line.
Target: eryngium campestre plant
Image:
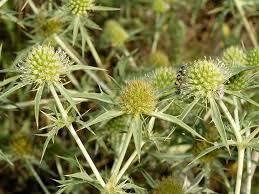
[(44, 64), (234, 56), (138, 97), (80, 7), (203, 79)]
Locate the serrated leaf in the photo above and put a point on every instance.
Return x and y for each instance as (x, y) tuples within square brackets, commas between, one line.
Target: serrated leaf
[(177, 121), (216, 118), (67, 96), (137, 134), (37, 103)]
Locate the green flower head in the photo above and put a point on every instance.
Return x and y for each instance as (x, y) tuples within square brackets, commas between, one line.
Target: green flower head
[(138, 97), (252, 57), (44, 64), (115, 33), (21, 145), (80, 7), (203, 78), (240, 81), (159, 6), (158, 59), (234, 56)]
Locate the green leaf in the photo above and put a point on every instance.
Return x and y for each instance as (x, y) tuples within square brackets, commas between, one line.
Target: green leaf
[(37, 103), (11, 90), (85, 67), (137, 134), (8, 80), (177, 121), (76, 24), (5, 158), (93, 96), (91, 24), (216, 118), (104, 117), (188, 109), (67, 96), (104, 8), (242, 96)]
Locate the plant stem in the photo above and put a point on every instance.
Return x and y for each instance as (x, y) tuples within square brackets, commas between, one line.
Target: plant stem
[(236, 116), (156, 35), (249, 168), (127, 54), (33, 7), (246, 23), (36, 176), (76, 137), (241, 155), (125, 145), (74, 56)]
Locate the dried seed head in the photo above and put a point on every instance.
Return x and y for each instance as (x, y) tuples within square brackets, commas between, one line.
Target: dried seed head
[(44, 65), (203, 78), (115, 33), (163, 78), (169, 185), (80, 7), (234, 56), (253, 57), (138, 97), (21, 145), (158, 59)]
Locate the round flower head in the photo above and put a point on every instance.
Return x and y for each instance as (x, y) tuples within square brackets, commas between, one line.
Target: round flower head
[(21, 145), (159, 6), (80, 7), (253, 57), (203, 78), (44, 65), (163, 78), (115, 33), (138, 97), (234, 56), (169, 185), (158, 59)]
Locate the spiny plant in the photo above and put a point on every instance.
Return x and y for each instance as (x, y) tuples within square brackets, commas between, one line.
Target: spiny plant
[(144, 118)]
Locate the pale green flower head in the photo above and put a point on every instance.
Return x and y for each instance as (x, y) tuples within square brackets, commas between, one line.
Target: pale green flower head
[(44, 64), (204, 79), (80, 7), (138, 97), (253, 57), (234, 56)]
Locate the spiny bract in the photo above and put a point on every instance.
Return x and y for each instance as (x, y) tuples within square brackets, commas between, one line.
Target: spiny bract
[(115, 33), (44, 65), (80, 7), (169, 185), (138, 97), (203, 78), (234, 56)]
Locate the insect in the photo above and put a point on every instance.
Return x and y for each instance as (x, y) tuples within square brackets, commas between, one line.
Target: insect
[(179, 77)]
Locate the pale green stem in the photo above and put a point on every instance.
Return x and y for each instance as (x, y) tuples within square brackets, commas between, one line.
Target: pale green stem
[(36, 176), (241, 155), (246, 23), (74, 56), (249, 167), (33, 7), (127, 54), (240, 148), (125, 145), (236, 116), (127, 164), (76, 137), (156, 36)]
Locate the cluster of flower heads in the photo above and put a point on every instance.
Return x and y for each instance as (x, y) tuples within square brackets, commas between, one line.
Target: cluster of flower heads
[(203, 78), (80, 7), (138, 97), (44, 64)]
